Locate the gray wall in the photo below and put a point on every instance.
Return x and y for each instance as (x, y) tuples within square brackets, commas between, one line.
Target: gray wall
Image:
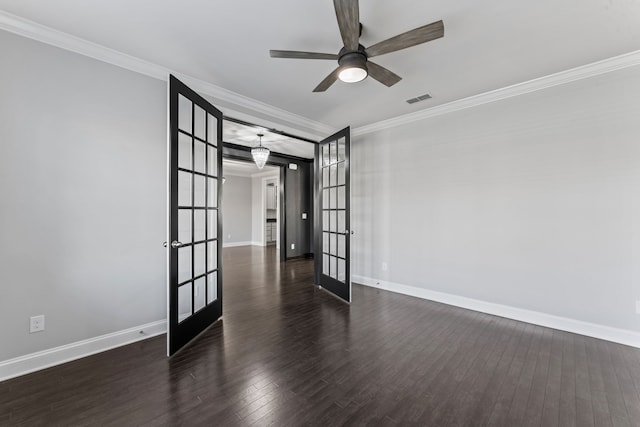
[(236, 209), (531, 202), (257, 221), (83, 196)]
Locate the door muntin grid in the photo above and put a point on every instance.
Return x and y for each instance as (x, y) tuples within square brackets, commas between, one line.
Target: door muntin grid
[(333, 161), (197, 208)]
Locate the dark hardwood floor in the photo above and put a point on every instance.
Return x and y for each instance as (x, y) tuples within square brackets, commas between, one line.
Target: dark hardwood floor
[(286, 353)]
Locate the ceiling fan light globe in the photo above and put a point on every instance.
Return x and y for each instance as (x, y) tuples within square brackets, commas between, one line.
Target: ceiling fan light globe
[(353, 66), (352, 74)]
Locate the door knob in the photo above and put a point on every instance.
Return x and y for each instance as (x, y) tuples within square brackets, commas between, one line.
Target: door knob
[(175, 244)]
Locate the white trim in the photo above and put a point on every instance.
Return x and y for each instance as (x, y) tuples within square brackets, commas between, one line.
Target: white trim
[(26, 28), (238, 174), (254, 105), (263, 206), (590, 70), (268, 174), (55, 356), (235, 244), (622, 336), (30, 29)]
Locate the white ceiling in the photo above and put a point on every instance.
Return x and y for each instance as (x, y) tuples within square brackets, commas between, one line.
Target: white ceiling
[(246, 135), (246, 169), (487, 45)]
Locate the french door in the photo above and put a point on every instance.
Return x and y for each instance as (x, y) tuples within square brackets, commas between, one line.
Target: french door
[(195, 221), (332, 222)]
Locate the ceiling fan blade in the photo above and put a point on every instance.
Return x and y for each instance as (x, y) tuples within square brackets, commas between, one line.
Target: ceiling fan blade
[(419, 35), (328, 81), (382, 75), (295, 54), (348, 14)]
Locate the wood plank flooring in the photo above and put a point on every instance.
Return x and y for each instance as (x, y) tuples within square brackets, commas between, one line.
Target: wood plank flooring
[(286, 353)]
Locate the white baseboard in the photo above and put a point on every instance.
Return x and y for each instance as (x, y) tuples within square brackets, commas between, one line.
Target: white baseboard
[(234, 244), (55, 356), (622, 336), (44, 359)]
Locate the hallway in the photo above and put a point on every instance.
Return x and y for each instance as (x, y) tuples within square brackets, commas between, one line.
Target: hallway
[(287, 353)]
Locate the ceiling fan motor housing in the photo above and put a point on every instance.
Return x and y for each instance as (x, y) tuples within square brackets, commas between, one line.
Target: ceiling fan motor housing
[(353, 63), (353, 59)]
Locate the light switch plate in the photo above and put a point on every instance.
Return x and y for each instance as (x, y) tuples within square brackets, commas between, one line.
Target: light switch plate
[(304, 215)]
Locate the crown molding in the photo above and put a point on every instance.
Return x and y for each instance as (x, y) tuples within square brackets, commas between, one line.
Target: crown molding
[(574, 74), (32, 30), (254, 105), (29, 29)]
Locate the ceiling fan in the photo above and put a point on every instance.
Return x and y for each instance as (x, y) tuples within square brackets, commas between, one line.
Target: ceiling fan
[(353, 58)]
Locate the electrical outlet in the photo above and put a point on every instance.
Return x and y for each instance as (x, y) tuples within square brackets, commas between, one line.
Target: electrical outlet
[(385, 267), (229, 236), (293, 246), (36, 324)]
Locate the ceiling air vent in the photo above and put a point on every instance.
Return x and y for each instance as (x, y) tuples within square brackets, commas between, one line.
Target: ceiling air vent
[(419, 98)]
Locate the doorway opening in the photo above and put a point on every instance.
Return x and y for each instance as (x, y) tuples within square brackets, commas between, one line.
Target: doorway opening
[(250, 204), (270, 194), (287, 214)]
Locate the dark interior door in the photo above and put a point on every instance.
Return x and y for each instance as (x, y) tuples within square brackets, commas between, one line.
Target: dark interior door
[(332, 214), (195, 222)]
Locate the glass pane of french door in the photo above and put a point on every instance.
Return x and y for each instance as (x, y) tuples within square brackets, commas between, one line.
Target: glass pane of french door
[(332, 214), (195, 159)]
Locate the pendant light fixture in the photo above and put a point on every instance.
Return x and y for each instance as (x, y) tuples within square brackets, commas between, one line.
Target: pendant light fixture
[(260, 154)]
